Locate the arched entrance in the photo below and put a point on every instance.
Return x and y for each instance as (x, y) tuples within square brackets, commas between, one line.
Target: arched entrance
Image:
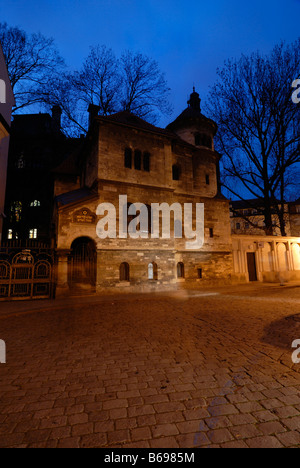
[(83, 263)]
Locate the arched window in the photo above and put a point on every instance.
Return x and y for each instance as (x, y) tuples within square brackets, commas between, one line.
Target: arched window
[(176, 172), (152, 271), (180, 270), (128, 158), (147, 162), (124, 272), (138, 160)]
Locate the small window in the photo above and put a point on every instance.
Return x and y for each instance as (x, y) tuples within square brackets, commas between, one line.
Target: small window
[(147, 162), (238, 226), (180, 270), (20, 162), (176, 172), (124, 272), (33, 234), (211, 233), (10, 234), (200, 273), (197, 139), (152, 271), (16, 211), (138, 160), (35, 204), (207, 179), (128, 158), (247, 226)]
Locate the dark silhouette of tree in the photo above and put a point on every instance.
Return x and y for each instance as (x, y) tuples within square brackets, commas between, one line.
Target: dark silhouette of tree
[(31, 61), (133, 83), (258, 123), (145, 91)]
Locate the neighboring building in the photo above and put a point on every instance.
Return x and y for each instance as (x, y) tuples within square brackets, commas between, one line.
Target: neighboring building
[(294, 210), (124, 155), (247, 218), (37, 147), (269, 259), (7, 102)]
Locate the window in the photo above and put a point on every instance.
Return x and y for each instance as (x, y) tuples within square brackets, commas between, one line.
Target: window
[(176, 172), (200, 273), (203, 140), (247, 226), (197, 139), (9, 234), (180, 270), (146, 162), (124, 272), (21, 162), (33, 234), (207, 179), (16, 211), (211, 233), (138, 160), (238, 226), (35, 203), (152, 271), (128, 158)]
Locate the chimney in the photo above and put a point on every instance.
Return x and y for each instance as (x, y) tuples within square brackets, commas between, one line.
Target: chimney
[(93, 110), (56, 115)]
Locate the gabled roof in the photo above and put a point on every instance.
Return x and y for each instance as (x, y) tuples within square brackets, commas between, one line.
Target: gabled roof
[(74, 196), (132, 120)]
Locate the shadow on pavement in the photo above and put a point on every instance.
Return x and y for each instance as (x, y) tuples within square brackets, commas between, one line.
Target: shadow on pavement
[(283, 332)]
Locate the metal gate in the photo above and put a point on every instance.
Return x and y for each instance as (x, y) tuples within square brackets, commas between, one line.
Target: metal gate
[(83, 262), (26, 275)]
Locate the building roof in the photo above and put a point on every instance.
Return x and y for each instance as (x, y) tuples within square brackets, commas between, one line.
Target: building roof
[(4, 123), (132, 120), (192, 114), (74, 196)]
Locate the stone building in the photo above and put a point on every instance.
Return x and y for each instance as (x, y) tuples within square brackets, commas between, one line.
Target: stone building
[(294, 211), (6, 104), (124, 155)]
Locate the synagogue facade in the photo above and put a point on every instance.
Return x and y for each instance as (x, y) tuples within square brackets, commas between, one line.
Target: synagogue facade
[(124, 155)]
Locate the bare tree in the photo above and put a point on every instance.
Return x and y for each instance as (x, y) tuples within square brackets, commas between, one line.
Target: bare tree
[(259, 127), (145, 90), (133, 83), (31, 61)]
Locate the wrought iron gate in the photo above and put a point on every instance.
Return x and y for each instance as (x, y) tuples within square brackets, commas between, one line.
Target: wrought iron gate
[(26, 275)]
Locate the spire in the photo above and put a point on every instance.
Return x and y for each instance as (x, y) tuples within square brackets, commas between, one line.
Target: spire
[(194, 101)]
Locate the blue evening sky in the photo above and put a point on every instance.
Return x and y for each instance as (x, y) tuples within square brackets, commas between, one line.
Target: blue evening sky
[(188, 38)]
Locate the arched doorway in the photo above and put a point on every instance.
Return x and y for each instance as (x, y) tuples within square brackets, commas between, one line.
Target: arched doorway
[(83, 263)]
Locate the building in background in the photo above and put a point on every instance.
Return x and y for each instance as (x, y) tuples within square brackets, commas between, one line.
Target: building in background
[(37, 147), (294, 210), (7, 102), (247, 218)]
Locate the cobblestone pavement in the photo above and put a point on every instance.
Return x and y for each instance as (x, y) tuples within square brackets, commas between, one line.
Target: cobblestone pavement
[(199, 369)]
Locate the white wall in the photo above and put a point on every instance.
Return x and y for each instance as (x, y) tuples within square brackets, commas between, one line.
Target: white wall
[(277, 258)]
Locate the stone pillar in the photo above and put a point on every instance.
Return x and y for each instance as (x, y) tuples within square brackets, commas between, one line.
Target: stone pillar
[(62, 284), (289, 256)]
